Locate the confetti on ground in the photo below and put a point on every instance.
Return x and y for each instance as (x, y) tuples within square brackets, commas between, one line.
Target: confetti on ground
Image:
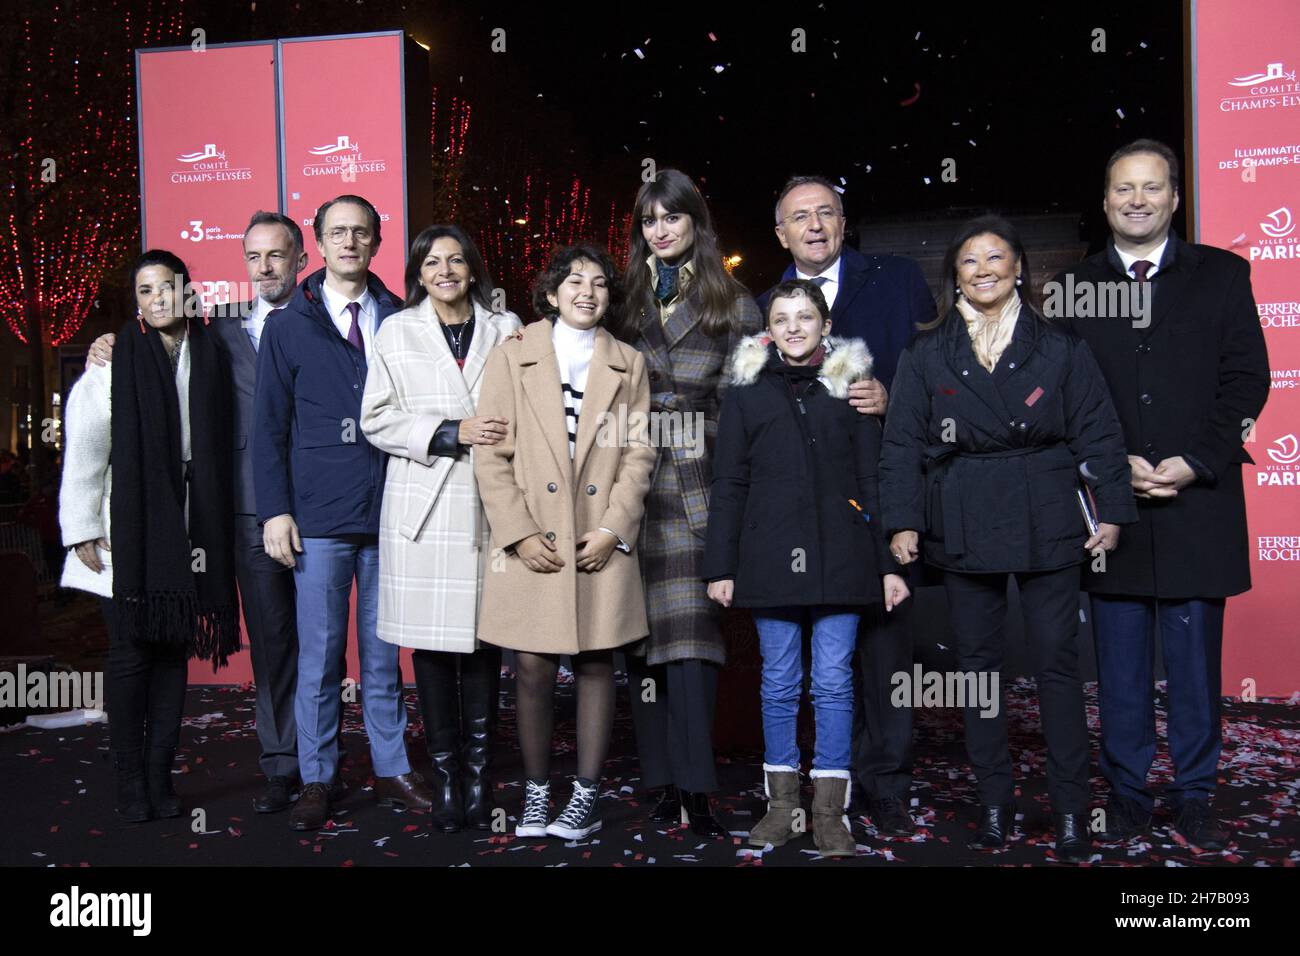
[(217, 770)]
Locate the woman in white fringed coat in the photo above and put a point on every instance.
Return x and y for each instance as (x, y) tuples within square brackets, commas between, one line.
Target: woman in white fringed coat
[(422, 387)]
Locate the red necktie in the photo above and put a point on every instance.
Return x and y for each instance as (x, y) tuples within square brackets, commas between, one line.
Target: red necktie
[(1141, 268), (354, 332)]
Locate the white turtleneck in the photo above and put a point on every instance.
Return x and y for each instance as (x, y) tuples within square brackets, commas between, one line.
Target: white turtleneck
[(573, 350)]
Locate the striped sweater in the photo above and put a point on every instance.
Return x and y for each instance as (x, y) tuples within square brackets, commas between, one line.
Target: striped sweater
[(573, 349)]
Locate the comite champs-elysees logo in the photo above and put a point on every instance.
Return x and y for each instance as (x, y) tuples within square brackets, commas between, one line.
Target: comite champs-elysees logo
[(1271, 88), (208, 165), (342, 158), (341, 145)]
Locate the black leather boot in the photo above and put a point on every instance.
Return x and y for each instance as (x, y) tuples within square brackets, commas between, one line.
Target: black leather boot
[(132, 787), (994, 827), (1073, 840), (166, 804), (479, 694), (667, 810), (700, 815), (436, 686)]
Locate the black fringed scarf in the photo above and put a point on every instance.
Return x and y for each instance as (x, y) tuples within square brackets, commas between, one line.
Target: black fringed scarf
[(171, 585)]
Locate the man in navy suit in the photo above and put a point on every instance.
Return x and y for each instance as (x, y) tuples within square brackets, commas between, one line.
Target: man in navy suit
[(879, 299), (319, 489), (274, 256)]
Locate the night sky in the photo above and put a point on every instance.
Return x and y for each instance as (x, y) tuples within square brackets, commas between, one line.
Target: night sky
[(882, 96), (1011, 92)]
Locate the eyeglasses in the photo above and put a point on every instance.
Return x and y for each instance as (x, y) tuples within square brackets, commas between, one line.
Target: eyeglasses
[(803, 216), (339, 234)]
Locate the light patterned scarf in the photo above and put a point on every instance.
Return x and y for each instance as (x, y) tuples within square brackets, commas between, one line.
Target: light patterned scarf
[(989, 336)]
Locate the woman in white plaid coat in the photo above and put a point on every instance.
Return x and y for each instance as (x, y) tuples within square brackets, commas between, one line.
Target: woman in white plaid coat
[(422, 388), (686, 315)]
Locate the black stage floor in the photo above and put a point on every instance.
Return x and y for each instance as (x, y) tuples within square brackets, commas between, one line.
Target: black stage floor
[(58, 801)]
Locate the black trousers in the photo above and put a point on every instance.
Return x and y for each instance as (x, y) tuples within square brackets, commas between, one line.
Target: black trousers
[(977, 607), (673, 718), (144, 689), (266, 594), (882, 733)]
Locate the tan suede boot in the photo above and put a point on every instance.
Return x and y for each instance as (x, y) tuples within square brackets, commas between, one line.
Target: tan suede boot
[(778, 825), (830, 826)]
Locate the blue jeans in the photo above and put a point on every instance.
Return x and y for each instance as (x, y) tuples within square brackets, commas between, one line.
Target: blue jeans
[(1191, 638), (323, 578), (780, 640)]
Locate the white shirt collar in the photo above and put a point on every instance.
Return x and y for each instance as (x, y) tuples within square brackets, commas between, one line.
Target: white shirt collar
[(336, 304), (261, 309), (1154, 258), (831, 273), (256, 321)]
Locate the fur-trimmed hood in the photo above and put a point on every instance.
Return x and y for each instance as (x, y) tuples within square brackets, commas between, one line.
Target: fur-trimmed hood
[(847, 361)]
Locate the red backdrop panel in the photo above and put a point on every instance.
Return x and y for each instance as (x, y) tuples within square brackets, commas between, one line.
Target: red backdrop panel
[(1247, 141), (346, 137), (208, 155)]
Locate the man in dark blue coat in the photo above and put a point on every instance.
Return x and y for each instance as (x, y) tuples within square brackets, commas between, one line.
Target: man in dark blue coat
[(319, 488), (879, 299), (1183, 353)]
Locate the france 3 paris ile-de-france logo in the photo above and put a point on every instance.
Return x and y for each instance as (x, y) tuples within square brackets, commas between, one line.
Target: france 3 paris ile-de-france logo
[(1282, 467), (208, 165), (1273, 87), (342, 158)]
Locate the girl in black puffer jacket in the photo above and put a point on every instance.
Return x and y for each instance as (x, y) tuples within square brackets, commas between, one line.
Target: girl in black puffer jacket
[(793, 534)]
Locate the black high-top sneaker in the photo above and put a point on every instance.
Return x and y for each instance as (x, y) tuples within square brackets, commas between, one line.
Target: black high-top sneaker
[(537, 804), (579, 818)]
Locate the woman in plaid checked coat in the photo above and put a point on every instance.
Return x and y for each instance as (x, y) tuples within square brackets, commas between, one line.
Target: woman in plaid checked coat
[(422, 389), (686, 315)]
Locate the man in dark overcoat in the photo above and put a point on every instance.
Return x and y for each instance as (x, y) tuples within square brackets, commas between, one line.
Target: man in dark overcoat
[(1183, 353)]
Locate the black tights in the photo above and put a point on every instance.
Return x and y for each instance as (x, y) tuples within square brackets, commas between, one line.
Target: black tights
[(535, 684), (145, 690)]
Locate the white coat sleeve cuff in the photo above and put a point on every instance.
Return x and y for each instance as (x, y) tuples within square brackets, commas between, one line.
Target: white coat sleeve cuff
[(417, 442)]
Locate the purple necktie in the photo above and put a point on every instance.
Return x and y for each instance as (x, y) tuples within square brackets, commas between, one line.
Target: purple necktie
[(354, 332), (1140, 269)]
